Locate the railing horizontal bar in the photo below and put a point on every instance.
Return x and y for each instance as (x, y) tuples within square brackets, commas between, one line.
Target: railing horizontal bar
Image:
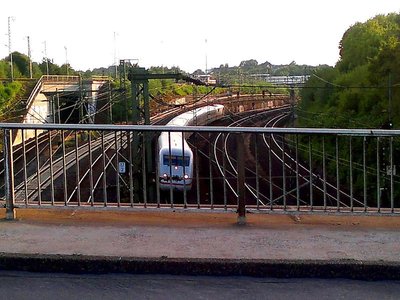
[(273, 183), (274, 130)]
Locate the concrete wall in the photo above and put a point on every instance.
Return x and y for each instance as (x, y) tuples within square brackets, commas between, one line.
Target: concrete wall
[(39, 110)]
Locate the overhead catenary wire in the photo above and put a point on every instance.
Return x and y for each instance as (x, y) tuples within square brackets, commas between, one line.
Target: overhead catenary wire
[(99, 97)]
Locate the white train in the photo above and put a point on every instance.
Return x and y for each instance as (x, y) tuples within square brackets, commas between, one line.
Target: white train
[(174, 154)]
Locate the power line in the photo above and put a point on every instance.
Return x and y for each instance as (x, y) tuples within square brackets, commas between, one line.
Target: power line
[(323, 80)]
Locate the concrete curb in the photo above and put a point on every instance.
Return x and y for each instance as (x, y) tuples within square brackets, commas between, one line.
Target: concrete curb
[(78, 264)]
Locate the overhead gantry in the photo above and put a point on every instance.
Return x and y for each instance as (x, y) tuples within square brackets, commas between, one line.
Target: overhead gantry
[(139, 78)]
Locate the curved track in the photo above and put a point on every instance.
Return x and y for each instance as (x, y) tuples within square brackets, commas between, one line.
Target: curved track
[(275, 177)]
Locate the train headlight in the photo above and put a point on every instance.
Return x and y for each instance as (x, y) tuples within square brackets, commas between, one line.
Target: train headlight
[(165, 175), (176, 167), (186, 176)]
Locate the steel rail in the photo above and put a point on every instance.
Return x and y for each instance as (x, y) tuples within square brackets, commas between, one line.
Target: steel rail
[(57, 171), (255, 194), (253, 190), (307, 170)]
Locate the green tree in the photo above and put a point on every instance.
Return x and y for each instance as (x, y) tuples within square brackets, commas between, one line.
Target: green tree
[(4, 69), (360, 84), (247, 64), (21, 64), (362, 42), (53, 68)]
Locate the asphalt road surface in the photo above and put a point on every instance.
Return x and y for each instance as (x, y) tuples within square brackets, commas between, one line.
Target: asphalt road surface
[(24, 285)]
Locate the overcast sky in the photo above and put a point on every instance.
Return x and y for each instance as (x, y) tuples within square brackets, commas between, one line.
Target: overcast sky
[(183, 33)]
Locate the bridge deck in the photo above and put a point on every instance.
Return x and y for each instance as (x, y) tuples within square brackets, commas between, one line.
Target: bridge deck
[(306, 244)]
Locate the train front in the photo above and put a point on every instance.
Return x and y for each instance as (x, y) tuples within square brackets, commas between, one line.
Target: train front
[(175, 163)]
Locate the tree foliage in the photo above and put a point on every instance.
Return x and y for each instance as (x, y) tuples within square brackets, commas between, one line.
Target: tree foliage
[(9, 93), (363, 42), (361, 91), (358, 87), (252, 67)]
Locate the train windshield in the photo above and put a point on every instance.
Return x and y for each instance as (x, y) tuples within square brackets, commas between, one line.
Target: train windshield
[(176, 160)]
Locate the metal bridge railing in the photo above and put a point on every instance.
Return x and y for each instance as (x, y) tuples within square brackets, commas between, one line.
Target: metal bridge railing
[(285, 170), (61, 78)]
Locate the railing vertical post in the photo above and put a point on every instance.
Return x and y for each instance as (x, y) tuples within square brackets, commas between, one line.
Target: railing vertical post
[(224, 175), (378, 174), (351, 174), (270, 173), (337, 174), (257, 171), (283, 174), (158, 176), (211, 173), (241, 179), (391, 176), (310, 165), (197, 173), (9, 175), (365, 173), (297, 175)]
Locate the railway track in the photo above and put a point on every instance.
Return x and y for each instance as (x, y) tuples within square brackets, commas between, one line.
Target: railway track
[(225, 156), (44, 183), (215, 174), (53, 176), (278, 179), (330, 194), (40, 165), (72, 168)]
